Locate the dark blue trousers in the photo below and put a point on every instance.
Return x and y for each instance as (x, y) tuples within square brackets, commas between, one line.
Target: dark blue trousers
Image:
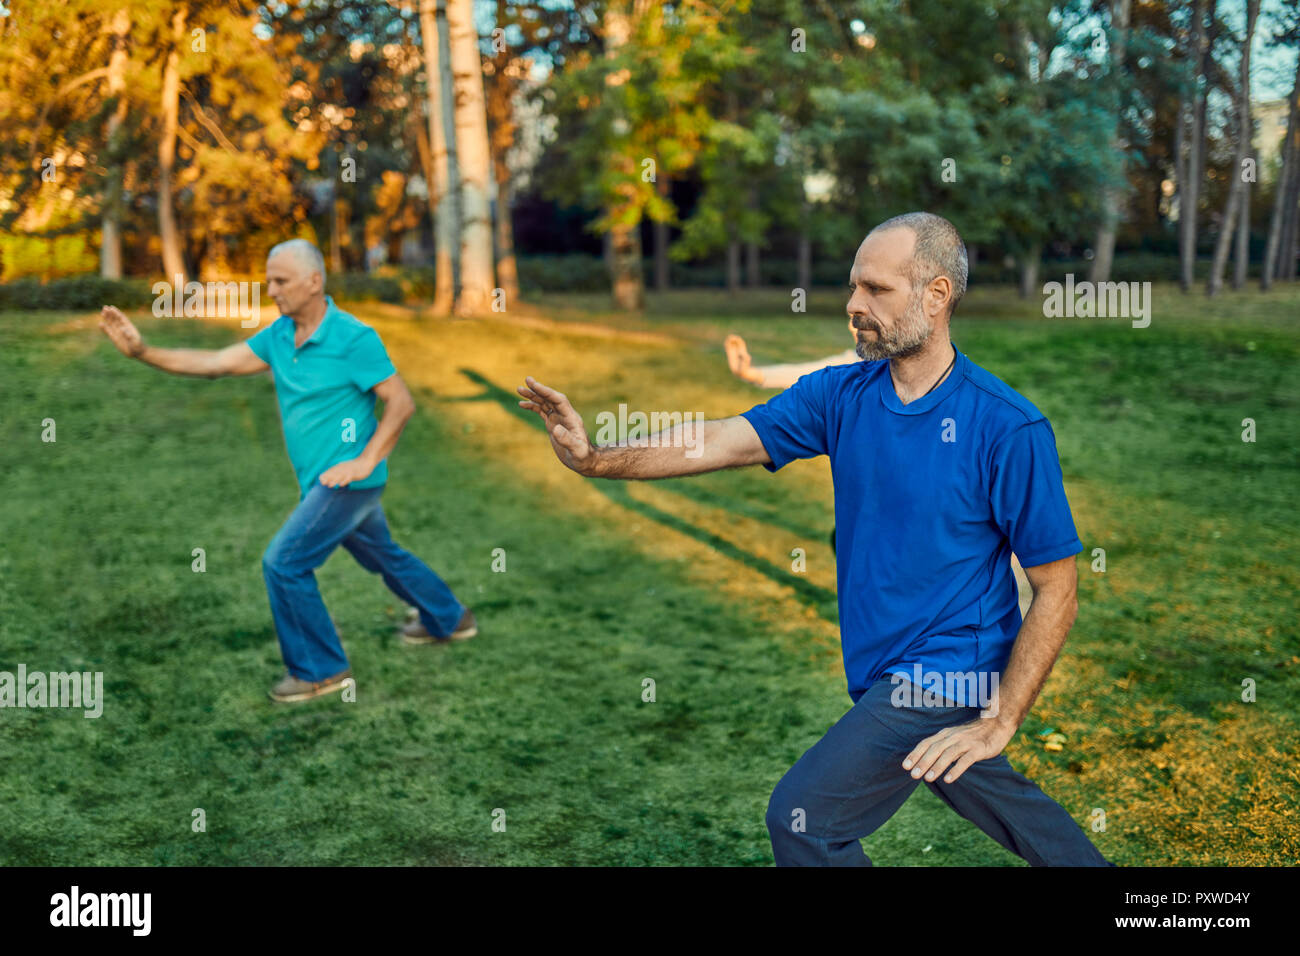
[(852, 781), (324, 519)]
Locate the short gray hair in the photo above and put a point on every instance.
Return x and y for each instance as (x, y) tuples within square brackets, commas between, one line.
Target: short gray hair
[(939, 251), (305, 252)]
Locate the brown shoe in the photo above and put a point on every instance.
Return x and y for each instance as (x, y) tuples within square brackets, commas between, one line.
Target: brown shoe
[(291, 690), (414, 632)]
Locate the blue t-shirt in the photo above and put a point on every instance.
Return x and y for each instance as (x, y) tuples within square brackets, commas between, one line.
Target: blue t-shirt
[(325, 388), (931, 499)]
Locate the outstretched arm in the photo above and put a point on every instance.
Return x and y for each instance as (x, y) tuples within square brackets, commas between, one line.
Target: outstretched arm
[(776, 376), (237, 359), (686, 449), (783, 376)]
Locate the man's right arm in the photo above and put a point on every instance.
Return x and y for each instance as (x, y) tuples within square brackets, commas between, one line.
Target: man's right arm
[(685, 449), (237, 359)]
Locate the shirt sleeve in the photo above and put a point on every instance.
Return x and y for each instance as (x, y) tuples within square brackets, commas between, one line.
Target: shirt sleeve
[(261, 344), (792, 424), (1027, 494), (369, 361)]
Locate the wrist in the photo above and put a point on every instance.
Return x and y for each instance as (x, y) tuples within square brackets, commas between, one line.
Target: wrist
[(1003, 723)]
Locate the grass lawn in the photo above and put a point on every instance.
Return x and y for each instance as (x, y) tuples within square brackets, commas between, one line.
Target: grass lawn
[(606, 584)]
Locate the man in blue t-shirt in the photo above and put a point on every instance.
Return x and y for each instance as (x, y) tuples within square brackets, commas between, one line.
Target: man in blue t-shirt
[(329, 368), (941, 471)]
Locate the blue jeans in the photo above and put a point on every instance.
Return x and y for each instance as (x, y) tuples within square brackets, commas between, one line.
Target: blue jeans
[(852, 781), (324, 519)]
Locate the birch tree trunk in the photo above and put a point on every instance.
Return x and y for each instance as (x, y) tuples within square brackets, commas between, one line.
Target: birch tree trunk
[(1113, 199), (168, 232), (1235, 185), (624, 238), (110, 244), (442, 191), (1242, 265), (1287, 172), (1206, 33)]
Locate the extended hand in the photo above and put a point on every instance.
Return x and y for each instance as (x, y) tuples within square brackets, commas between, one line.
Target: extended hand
[(345, 472), (563, 425), (121, 332), (742, 366), (980, 739)]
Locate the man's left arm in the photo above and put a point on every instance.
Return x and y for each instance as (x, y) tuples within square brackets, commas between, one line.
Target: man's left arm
[(399, 406), (1042, 634)]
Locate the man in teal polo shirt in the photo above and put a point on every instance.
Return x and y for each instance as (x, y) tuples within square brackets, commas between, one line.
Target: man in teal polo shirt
[(328, 368)]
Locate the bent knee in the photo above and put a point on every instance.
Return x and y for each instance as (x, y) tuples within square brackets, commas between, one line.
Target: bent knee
[(787, 811), (278, 562)]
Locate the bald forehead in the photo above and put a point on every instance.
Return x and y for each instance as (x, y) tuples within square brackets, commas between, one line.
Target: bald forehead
[(291, 260), (884, 254)]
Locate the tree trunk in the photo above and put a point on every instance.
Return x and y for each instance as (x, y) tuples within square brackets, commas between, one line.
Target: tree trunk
[(507, 270), (110, 245), (1290, 226), (733, 266), (804, 280), (1029, 264), (624, 237), (1289, 154), (1242, 266), (1235, 190), (443, 179), (168, 232), (1185, 138), (1207, 33), (752, 277), (1113, 198), (442, 195), (338, 232), (662, 271), (500, 108), (472, 160)]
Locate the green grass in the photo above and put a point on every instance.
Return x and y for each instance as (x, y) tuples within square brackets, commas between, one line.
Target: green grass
[(685, 582)]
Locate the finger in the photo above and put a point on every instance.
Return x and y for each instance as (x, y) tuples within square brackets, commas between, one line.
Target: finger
[(931, 753), (574, 444), (945, 758), (910, 760), (533, 397), (545, 391), (959, 768)]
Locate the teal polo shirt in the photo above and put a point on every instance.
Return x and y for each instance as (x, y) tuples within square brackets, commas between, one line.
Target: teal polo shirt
[(326, 391)]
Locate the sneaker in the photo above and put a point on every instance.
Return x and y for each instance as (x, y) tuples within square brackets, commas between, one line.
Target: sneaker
[(291, 690), (414, 632)]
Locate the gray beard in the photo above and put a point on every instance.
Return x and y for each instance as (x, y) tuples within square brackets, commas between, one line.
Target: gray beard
[(906, 339)]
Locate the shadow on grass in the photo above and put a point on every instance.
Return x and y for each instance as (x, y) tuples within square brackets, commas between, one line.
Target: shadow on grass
[(820, 599)]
